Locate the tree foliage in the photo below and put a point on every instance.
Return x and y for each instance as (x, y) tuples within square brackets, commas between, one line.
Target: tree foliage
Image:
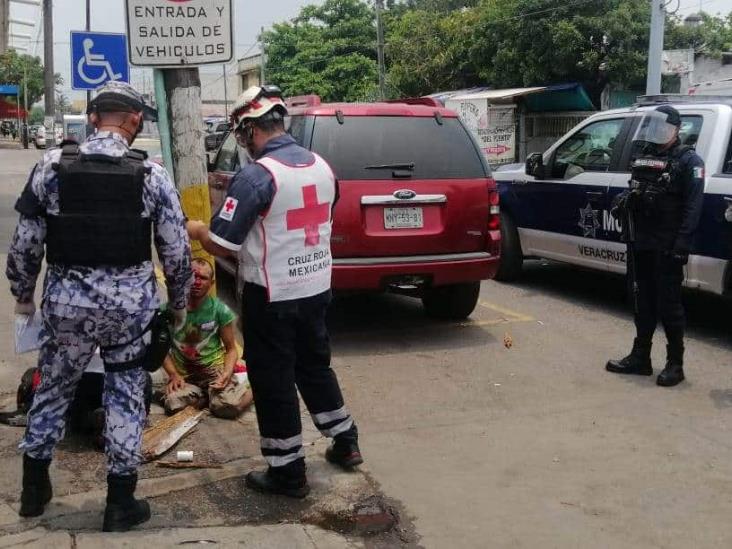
[(12, 66), (434, 45), (328, 50), (428, 51)]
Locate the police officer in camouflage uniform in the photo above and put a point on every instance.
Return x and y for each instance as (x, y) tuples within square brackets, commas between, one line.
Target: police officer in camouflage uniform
[(93, 210), (660, 212)]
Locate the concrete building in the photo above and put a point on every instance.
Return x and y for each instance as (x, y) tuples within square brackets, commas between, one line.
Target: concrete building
[(249, 71), (707, 71), (219, 89)]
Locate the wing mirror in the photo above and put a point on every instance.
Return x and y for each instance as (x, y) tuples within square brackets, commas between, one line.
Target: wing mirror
[(535, 165)]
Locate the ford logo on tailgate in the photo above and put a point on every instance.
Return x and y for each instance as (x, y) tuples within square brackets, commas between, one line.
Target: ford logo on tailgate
[(404, 194)]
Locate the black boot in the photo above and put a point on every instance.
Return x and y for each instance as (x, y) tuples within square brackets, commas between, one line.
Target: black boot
[(272, 481), (638, 362), (123, 511), (673, 373), (344, 452), (37, 490)]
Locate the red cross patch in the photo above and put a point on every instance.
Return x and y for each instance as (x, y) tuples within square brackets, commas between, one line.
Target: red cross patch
[(310, 217), (228, 209)]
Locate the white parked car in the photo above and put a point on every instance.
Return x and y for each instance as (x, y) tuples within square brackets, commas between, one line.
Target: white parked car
[(40, 138)]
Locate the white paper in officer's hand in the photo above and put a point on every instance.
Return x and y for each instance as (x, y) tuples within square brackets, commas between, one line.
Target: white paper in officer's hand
[(28, 332)]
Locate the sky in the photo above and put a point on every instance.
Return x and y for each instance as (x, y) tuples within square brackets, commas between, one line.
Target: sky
[(108, 16)]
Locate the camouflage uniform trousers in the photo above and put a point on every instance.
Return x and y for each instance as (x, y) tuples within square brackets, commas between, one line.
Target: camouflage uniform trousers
[(72, 336)]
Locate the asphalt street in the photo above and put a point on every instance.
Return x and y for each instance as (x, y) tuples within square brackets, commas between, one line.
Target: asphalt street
[(505, 430)]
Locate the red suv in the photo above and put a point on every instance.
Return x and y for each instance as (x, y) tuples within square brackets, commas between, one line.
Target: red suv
[(418, 208)]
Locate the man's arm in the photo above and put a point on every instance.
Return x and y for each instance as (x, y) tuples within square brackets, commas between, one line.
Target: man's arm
[(198, 230), (175, 381), (25, 255), (250, 192), (226, 333), (693, 203), (171, 239)]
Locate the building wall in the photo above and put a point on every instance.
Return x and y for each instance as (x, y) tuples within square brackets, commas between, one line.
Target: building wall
[(707, 69), (213, 91)]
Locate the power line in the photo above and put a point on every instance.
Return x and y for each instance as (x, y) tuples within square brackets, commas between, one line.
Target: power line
[(576, 3)]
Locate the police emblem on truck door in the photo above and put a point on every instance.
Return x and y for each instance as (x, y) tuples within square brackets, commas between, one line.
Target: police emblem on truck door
[(589, 222)]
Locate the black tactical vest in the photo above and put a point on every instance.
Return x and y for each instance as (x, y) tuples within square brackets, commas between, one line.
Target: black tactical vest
[(100, 218), (660, 208)]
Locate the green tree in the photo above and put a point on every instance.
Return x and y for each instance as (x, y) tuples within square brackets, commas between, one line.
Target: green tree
[(429, 51), (329, 50), (536, 42), (15, 68), (36, 115), (63, 105), (712, 36)]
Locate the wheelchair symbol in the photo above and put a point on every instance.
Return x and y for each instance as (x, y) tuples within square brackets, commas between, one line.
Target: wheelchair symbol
[(95, 60)]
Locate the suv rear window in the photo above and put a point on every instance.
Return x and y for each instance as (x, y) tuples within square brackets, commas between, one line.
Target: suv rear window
[(437, 151)]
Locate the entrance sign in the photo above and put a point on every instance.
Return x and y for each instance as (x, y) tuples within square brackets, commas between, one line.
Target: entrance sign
[(175, 33)]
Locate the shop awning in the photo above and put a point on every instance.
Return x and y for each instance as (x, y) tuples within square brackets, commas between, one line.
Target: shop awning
[(560, 97), (10, 110), (497, 95)]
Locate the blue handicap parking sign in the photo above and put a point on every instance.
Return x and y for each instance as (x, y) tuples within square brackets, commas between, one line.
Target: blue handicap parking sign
[(96, 58)]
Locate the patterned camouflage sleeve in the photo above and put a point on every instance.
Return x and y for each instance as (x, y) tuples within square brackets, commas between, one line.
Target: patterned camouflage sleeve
[(171, 239), (26, 248)]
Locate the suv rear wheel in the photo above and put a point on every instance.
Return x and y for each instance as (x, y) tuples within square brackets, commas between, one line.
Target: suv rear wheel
[(512, 258), (454, 302)]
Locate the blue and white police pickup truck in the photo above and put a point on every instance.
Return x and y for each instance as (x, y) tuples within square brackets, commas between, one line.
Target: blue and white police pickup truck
[(557, 205)]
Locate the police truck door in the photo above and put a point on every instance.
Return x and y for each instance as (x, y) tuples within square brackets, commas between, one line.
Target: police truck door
[(563, 214)]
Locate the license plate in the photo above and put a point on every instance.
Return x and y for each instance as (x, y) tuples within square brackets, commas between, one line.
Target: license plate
[(403, 218)]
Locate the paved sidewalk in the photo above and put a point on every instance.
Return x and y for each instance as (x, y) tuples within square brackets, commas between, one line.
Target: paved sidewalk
[(290, 536)]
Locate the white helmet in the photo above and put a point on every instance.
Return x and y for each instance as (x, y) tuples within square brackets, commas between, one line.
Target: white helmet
[(256, 102)]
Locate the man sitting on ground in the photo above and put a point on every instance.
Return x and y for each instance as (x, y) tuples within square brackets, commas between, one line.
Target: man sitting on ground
[(200, 365)]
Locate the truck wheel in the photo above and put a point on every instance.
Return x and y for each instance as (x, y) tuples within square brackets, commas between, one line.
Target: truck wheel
[(512, 259), (454, 302)]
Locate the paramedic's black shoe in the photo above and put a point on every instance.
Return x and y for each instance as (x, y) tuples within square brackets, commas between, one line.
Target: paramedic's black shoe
[(123, 511), (673, 373), (270, 482), (638, 362), (344, 454), (37, 491)]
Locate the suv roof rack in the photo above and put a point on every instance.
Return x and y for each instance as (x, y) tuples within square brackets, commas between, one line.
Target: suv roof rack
[(311, 100), (680, 98), (426, 101)]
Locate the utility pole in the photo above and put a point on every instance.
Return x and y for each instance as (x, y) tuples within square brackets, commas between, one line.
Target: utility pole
[(262, 58), (49, 81), (88, 28), (226, 94), (181, 128), (4, 25), (655, 48), (24, 129), (380, 49)]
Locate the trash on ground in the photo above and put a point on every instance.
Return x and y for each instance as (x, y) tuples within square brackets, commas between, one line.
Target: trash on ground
[(189, 465), (165, 434)]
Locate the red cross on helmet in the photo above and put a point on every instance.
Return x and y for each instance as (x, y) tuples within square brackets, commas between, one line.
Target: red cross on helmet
[(256, 102)]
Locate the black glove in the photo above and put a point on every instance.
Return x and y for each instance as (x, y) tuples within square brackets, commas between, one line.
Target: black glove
[(679, 254)]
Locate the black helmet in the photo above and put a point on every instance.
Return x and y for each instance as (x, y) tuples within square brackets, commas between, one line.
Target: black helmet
[(116, 96)]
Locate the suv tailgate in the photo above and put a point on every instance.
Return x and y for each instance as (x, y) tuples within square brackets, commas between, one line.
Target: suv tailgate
[(408, 185)]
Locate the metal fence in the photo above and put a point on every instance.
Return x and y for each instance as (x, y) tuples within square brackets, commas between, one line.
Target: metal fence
[(538, 131)]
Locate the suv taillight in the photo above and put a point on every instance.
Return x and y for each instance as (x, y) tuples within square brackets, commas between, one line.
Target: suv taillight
[(494, 220)]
